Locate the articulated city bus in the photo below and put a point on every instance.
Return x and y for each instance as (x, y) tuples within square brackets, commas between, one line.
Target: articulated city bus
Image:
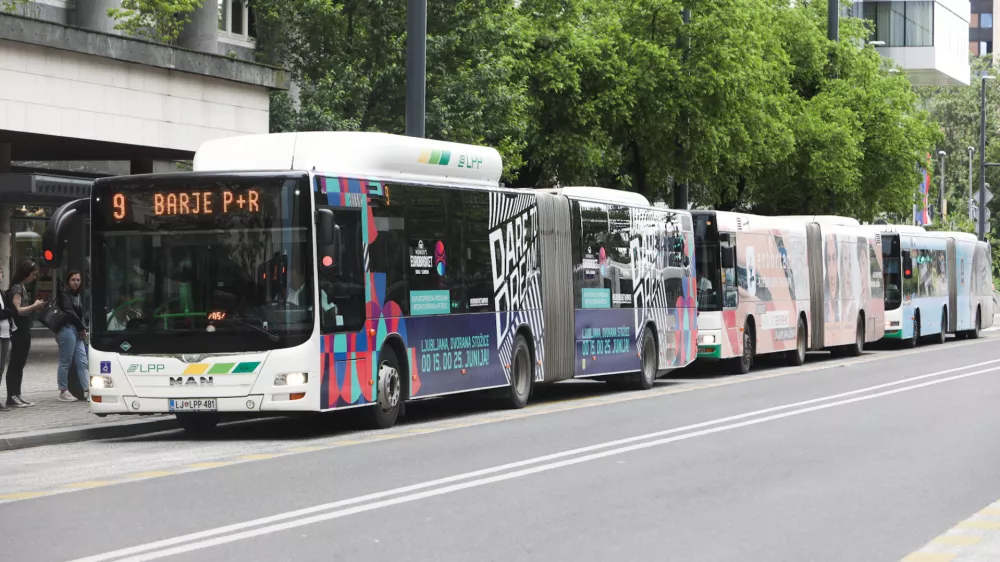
[(307, 272), (936, 283), (784, 285)]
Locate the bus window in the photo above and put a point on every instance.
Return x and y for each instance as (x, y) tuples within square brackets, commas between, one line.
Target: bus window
[(342, 291), (594, 259), (707, 266), (478, 269), (619, 257), (891, 272)]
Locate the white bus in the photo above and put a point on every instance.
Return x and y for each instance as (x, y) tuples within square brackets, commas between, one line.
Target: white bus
[(784, 285), (307, 272), (936, 283)]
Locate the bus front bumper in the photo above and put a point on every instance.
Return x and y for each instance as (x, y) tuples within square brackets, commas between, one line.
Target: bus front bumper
[(111, 404), (103, 404)]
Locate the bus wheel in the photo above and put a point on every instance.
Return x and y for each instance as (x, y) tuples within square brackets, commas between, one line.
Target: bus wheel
[(198, 423), (643, 380), (915, 340), (859, 340), (944, 327), (390, 391), (974, 332), (797, 356), (522, 373), (742, 364)]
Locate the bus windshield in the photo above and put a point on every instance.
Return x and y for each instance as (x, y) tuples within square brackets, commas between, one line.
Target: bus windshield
[(199, 263), (892, 281), (707, 266)]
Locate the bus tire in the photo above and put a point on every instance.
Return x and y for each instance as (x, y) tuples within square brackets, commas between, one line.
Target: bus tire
[(522, 374), (973, 334), (644, 379), (741, 365), (797, 356), (914, 341), (858, 347), (197, 423), (944, 327), (389, 400)]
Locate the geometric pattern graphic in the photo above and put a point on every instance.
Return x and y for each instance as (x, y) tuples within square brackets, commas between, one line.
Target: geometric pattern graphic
[(349, 361), (522, 286)]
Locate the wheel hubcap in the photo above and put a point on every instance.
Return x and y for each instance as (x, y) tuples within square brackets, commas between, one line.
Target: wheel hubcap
[(649, 360), (521, 372), (747, 352), (801, 346), (388, 387)]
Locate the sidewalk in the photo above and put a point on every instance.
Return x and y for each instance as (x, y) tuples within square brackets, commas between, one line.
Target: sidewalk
[(51, 421)]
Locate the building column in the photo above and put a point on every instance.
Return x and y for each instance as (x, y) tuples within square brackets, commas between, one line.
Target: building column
[(6, 246), (93, 14), (5, 151), (202, 34), (141, 166), (6, 236)]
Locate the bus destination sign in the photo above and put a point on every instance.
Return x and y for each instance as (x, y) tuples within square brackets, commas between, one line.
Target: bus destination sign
[(189, 202)]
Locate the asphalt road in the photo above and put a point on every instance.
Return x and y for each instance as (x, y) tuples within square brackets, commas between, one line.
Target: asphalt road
[(860, 460)]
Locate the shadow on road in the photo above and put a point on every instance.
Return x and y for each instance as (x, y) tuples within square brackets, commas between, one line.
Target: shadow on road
[(449, 408)]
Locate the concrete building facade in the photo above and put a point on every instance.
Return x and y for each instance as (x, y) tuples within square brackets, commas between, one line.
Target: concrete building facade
[(79, 100), (929, 39)]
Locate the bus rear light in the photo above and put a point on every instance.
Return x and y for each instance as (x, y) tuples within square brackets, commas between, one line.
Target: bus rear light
[(297, 396), (95, 398)]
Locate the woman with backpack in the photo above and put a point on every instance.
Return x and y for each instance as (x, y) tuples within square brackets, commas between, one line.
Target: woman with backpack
[(72, 338)]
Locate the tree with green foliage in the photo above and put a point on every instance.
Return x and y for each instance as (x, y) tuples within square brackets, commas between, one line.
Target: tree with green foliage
[(749, 103), (160, 21), (956, 110), (859, 130), (349, 61)]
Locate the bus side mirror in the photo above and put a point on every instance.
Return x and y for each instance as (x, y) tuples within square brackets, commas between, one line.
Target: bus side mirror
[(329, 241), (907, 265), (58, 230), (325, 227), (728, 257)]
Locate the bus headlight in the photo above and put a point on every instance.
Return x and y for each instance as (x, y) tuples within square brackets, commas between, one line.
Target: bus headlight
[(291, 379), (100, 381), (706, 339)]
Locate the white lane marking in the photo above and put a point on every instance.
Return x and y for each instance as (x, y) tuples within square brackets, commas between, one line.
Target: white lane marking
[(517, 474), (518, 464)]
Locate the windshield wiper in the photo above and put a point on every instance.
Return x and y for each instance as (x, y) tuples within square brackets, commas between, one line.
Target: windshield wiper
[(270, 335)]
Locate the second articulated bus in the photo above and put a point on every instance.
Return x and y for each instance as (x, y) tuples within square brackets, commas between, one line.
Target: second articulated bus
[(784, 285)]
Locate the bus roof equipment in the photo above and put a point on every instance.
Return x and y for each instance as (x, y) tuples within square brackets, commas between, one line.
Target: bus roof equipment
[(379, 156)]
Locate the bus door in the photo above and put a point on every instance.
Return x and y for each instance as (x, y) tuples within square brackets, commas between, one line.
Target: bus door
[(730, 294), (951, 264)]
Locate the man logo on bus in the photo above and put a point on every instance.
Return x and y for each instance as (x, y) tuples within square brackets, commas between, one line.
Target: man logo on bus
[(751, 267), (440, 261)]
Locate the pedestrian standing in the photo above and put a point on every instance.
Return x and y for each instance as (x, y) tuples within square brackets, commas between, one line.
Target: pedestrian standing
[(20, 339), (7, 313), (72, 338)]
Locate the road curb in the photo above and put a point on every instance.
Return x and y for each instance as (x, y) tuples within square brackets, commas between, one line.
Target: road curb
[(130, 428)]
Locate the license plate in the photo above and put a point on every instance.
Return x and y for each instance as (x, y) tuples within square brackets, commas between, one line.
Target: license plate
[(194, 405)]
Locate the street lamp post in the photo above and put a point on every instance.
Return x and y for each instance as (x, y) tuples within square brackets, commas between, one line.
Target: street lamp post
[(971, 151), (416, 66), (941, 156), (982, 157)]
